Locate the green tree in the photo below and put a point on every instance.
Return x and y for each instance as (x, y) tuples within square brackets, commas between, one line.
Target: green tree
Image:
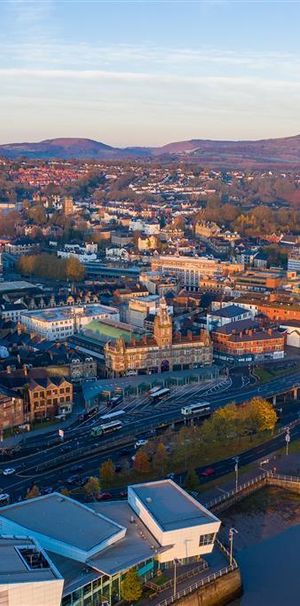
[(107, 472), (191, 480), (131, 586), (33, 492), (92, 487)]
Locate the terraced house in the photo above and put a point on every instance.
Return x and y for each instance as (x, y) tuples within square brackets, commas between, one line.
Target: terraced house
[(49, 397)]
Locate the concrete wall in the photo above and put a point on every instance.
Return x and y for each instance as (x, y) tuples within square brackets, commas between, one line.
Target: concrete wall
[(218, 593)]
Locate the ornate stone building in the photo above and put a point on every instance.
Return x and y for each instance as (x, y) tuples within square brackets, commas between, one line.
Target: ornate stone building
[(162, 352)]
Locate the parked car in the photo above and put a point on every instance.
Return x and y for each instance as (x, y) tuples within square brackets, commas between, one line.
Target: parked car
[(140, 443), (4, 498), (104, 496), (9, 471), (208, 472)]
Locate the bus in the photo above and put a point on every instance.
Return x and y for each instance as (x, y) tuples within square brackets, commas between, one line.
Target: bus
[(153, 390), (110, 416), (159, 394), (105, 428), (201, 409)]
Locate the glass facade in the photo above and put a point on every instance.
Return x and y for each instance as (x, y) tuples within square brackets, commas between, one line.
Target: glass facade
[(106, 588)]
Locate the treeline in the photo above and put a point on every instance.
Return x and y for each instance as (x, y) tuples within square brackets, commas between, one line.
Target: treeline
[(52, 267)]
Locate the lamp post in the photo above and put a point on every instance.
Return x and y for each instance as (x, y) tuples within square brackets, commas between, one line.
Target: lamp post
[(287, 440), (232, 531), (175, 577), (236, 469)]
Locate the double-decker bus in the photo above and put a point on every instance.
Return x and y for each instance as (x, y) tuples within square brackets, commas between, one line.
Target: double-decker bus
[(201, 409), (159, 394), (105, 428)]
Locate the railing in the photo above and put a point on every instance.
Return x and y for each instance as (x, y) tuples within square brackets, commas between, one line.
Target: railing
[(181, 577), (267, 475), (233, 492), (198, 585)]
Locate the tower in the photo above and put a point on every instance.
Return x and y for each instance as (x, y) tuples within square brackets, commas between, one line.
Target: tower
[(163, 325), (68, 206)]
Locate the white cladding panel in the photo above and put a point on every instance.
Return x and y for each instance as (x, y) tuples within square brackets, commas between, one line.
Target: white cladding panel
[(183, 542), (43, 593)]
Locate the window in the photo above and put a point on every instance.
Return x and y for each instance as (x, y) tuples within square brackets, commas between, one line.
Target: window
[(206, 539)]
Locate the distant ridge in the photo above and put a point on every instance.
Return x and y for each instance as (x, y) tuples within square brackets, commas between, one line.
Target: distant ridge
[(283, 151)]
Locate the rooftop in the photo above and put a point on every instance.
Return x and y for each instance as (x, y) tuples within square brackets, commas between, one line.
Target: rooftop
[(64, 313), (63, 519), (231, 311), (17, 567), (137, 546), (170, 506), (15, 285)]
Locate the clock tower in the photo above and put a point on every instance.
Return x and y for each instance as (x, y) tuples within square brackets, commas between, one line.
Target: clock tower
[(163, 325)]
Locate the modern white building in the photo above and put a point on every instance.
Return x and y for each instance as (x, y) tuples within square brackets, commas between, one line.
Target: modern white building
[(93, 546), (27, 575), (62, 322), (178, 522)]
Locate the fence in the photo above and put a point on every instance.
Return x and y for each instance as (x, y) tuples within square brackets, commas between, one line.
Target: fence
[(262, 479), (181, 577), (198, 585)]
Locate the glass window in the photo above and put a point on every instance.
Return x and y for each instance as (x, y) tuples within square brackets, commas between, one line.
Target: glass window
[(206, 539)]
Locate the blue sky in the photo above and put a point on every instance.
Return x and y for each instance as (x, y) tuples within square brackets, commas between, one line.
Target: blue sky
[(149, 72)]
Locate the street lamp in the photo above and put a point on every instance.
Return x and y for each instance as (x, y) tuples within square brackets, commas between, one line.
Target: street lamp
[(287, 440), (232, 531), (175, 577), (236, 469)]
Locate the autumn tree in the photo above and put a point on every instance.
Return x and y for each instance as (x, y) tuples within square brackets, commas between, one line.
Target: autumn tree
[(261, 415), (33, 492), (160, 457), (107, 472), (92, 487), (131, 586), (141, 462)]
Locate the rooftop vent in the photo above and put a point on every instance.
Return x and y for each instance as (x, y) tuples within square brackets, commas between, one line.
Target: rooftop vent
[(148, 499), (33, 558)]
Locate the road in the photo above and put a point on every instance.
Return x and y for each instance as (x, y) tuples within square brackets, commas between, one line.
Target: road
[(49, 466)]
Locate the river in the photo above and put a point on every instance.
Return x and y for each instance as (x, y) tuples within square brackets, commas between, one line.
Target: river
[(267, 547)]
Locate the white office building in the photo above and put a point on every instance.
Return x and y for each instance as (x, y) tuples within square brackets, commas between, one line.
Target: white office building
[(93, 546), (62, 322)]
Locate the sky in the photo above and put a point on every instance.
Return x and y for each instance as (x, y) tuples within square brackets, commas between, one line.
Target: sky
[(149, 72)]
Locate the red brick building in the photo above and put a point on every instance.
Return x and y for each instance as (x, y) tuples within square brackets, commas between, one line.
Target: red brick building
[(12, 411), (246, 341)]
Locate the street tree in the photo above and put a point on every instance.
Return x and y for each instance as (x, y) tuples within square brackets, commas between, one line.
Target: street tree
[(141, 462), (92, 487), (33, 492), (107, 472), (131, 586)]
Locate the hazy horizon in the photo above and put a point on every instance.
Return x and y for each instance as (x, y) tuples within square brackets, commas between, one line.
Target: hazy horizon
[(146, 73)]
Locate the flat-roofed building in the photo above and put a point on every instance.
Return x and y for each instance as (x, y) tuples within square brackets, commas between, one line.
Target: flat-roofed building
[(93, 546), (190, 271), (175, 518), (62, 322), (28, 577)]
